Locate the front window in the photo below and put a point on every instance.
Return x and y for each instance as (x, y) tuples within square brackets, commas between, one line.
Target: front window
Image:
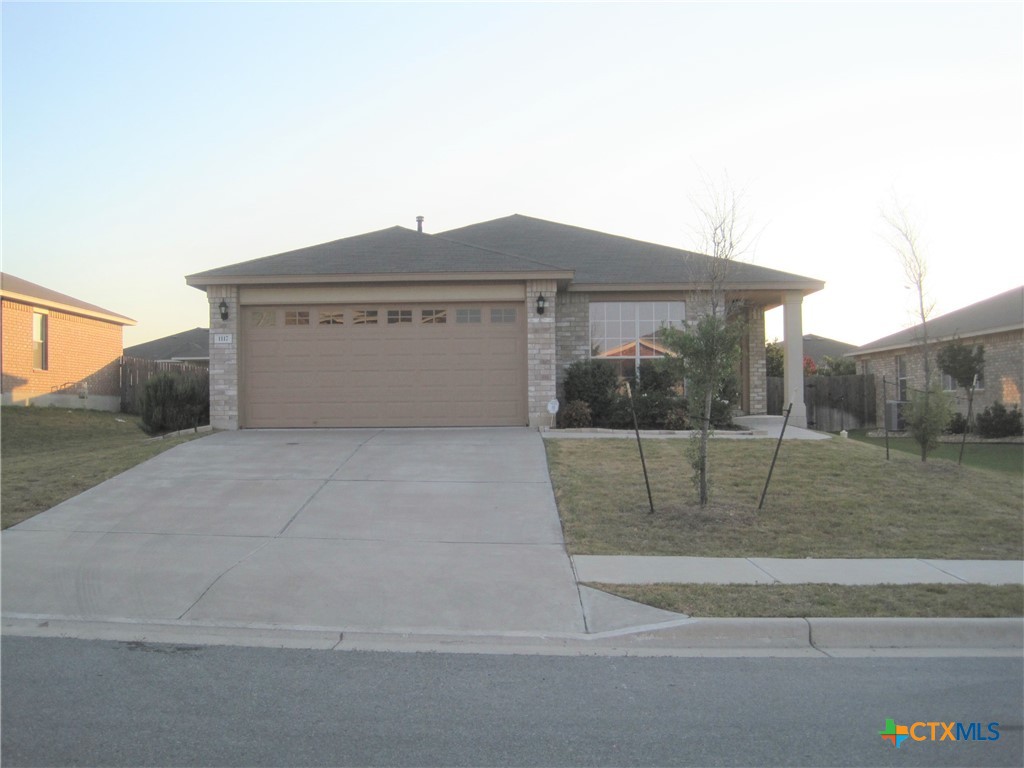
[(901, 378), (627, 332), (40, 333)]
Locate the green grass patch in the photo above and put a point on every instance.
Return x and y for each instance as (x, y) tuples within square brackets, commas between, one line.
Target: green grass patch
[(52, 454), (834, 498), (828, 600), (1000, 457)]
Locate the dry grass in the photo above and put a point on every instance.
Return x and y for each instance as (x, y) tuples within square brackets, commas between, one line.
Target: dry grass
[(835, 498), (828, 600), (52, 454)]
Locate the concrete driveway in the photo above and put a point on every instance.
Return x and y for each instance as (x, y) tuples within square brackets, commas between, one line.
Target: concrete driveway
[(422, 531)]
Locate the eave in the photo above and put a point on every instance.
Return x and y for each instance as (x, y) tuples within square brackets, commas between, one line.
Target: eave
[(71, 309)]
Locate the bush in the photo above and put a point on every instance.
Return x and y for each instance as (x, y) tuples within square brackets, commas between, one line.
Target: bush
[(657, 376), (594, 382), (172, 401), (927, 414), (996, 421), (575, 415), (957, 425)]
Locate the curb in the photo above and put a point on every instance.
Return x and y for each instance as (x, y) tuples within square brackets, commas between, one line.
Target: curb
[(685, 637)]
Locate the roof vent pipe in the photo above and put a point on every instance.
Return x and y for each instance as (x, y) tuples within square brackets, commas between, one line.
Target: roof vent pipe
[(419, 223)]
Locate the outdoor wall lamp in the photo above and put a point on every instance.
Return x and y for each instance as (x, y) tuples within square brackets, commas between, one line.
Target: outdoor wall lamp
[(223, 310), (541, 303)]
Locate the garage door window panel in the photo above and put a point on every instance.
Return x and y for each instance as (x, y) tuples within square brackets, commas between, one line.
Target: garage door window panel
[(399, 316), (467, 316), (503, 315), (434, 316), (331, 318), (364, 317), (296, 317), (263, 318)]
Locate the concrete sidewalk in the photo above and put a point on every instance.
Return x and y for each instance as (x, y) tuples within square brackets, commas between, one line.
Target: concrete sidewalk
[(612, 569)]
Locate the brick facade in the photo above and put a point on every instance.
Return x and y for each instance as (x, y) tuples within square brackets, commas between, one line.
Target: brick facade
[(83, 360), (1003, 372), (224, 393), (540, 350)]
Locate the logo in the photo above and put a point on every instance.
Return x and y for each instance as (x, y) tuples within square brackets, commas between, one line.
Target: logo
[(935, 730)]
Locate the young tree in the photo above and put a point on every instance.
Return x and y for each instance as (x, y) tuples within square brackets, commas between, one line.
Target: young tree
[(925, 414), (964, 365), (709, 350)]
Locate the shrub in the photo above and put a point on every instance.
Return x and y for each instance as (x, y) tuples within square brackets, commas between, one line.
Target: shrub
[(996, 421), (927, 414), (576, 414), (172, 401), (957, 425), (594, 382), (657, 376)]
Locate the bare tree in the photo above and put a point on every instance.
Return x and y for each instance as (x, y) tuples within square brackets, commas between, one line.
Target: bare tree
[(710, 348), (928, 408)]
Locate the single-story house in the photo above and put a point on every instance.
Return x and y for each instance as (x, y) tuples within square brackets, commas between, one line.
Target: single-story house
[(185, 347), (819, 347), (473, 326), (996, 323), (58, 350)]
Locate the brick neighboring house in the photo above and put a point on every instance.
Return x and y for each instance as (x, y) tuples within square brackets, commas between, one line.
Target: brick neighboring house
[(474, 326), (58, 350), (996, 322)]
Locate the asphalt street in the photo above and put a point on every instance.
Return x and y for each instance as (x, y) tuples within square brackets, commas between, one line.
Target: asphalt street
[(82, 702)]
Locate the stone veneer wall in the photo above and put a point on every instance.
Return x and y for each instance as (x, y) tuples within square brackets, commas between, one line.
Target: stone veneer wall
[(572, 333), (756, 362), (540, 346), (223, 358)]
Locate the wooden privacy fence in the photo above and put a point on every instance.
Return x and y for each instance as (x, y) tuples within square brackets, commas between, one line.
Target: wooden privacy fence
[(136, 371), (833, 402)]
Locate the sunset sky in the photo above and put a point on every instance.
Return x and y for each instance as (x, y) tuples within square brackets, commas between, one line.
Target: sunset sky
[(143, 142)]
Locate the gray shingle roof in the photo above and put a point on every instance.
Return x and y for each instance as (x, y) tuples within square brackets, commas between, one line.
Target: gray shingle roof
[(392, 251), (998, 313), (15, 287), (187, 345), (599, 258)]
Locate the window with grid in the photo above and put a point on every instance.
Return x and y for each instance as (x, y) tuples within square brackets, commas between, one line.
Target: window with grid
[(434, 316), (332, 318), (627, 332), (503, 315), (396, 316), (467, 315), (296, 317), (364, 317)]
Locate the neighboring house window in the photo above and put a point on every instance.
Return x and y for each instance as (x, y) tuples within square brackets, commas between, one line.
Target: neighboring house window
[(630, 331), (40, 334), (949, 383), (901, 378)]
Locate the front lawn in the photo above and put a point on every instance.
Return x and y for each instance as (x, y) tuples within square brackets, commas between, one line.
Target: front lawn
[(1002, 457), (51, 454), (836, 498)]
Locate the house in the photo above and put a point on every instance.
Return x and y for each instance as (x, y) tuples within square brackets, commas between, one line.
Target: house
[(185, 347), (819, 347), (58, 350), (996, 323), (474, 326)]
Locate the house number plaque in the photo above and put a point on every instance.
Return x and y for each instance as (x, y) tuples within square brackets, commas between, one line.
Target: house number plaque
[(222, 338)]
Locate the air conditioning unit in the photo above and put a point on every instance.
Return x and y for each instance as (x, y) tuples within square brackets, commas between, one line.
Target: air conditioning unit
[(894, 421)]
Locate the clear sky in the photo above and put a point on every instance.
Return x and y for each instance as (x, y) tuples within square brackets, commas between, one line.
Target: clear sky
[(143, 142)]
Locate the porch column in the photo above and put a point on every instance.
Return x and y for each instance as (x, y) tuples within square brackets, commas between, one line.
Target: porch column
[(793, 355), (540, 350)]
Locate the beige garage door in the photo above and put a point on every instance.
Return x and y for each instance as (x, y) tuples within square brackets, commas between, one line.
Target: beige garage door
[(384, 365)]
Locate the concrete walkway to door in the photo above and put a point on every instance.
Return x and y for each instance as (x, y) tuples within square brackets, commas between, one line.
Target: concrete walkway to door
[(419, 531)]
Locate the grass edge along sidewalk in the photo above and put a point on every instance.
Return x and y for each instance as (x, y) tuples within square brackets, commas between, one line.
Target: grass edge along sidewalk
[(827, 600), (52, 454)]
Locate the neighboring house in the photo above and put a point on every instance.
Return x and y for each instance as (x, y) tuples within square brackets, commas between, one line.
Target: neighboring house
[(997, 323), (58, 350), (818, 348), (185, 347), (474, 326)]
